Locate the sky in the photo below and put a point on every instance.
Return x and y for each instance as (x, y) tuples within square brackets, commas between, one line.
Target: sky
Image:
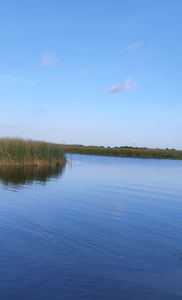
[(92, 72)]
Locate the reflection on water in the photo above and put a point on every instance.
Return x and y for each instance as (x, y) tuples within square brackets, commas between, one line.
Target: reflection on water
[(16, 176), (109, 229)]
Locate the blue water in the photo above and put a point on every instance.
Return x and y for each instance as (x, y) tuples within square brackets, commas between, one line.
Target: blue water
[(104, 228)]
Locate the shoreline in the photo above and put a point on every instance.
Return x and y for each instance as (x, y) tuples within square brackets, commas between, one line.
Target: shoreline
[(20, 152), (31, 164), (145, 153), (122, 156)]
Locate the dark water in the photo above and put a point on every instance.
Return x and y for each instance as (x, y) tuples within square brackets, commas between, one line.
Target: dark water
[(103, 228)]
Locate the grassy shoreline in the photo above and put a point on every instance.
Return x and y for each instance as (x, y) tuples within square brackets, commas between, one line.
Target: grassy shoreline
[(135, 152), (20, 152)]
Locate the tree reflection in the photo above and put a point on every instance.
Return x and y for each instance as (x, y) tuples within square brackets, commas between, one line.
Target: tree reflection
[(16, 176)]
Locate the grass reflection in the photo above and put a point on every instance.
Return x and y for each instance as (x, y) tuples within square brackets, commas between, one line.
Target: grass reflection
[(16, 176)]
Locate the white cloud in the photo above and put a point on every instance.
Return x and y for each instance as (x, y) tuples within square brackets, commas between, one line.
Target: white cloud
[(49, 60), (127, 84), (135, 46)]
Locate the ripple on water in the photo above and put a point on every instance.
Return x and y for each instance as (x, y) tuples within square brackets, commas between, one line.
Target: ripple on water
[(106, 228)]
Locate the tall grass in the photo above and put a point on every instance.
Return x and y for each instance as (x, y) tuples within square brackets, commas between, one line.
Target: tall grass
[(28, 152), (124, 151)]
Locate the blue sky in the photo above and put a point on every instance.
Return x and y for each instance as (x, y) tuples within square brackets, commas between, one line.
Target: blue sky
[(92, 72)]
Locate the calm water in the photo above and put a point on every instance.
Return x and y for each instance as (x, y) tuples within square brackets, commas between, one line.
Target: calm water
[(102, 228)]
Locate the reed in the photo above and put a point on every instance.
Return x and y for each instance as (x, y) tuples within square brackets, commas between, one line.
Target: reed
[(124, 151), (28, 152)]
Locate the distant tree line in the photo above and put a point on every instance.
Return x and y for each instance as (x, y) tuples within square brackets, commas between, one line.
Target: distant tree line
[(124, 151)]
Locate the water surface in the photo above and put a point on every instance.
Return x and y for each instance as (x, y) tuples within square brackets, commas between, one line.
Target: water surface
[(103, 228)]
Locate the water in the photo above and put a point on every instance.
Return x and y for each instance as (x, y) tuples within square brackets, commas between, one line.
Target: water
[(102, 228)]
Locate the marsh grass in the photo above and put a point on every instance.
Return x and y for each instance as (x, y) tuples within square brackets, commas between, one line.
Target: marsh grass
[(28, 152), (124, 151)]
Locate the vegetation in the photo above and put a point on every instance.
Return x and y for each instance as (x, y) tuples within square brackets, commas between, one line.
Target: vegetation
[(36, 153), (124, 151), (28, 152)]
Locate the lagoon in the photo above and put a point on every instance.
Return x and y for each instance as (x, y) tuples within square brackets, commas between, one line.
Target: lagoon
[(100, 228)]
